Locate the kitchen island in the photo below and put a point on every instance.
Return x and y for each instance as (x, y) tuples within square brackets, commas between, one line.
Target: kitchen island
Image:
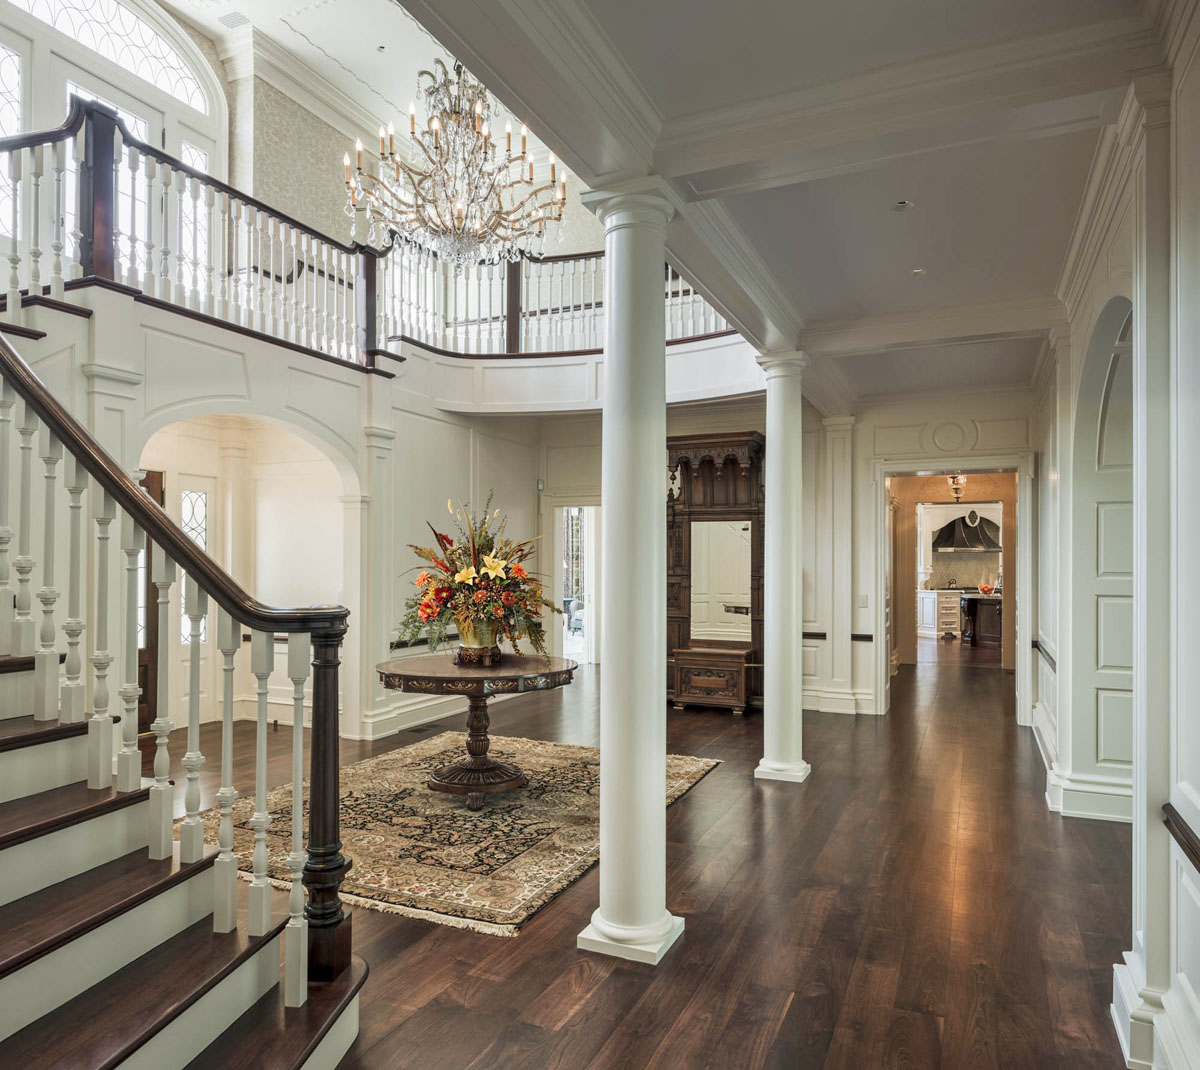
[(982, 618)]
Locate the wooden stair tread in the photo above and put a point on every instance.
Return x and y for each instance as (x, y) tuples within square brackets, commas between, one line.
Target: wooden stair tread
[(17, 732), (270, 1035), (48, 811), (47, 919), (108, 1022)]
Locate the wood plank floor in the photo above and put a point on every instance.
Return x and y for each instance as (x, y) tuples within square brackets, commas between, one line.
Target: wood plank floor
[(913, 904)]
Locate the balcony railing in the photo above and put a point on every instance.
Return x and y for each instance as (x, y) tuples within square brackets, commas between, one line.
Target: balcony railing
[(88, 200)]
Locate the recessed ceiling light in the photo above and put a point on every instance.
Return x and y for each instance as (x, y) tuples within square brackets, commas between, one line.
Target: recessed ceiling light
[(903, 206), (918, 271)]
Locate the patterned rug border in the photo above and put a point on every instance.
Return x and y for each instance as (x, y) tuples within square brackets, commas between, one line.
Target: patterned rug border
[(568, 877)]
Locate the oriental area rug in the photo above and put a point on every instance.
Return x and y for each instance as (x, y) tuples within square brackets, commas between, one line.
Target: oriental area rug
[(423, 854)]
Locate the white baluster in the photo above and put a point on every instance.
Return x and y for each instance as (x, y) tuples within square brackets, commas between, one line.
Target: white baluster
[(194, 272), (161, 831), (212, 248), (132, 274), (78, 155), (116, 204), (262, 660), (222, 243), (100, 741), (225, 907), (129, 760), (324, 344), (295, 946), (296, 271), (23, 630), (234, 267), (35, 219), (56, 236), (180, 294), (304, 285), (168, 234), (73, 697), (15, 161), (149, 285), (45, 661), (272, 318), (191, 833), (7, 596), (260, 309)]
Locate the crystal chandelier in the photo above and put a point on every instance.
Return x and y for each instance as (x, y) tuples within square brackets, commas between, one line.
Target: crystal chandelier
[(463, 198), (958, 484)]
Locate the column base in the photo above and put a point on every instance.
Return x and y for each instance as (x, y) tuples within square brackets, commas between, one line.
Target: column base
[(650, 949), (793, 771)]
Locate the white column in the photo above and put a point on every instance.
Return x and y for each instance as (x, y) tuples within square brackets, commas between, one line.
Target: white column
[(839, 479), (632, 921), (783, 600)]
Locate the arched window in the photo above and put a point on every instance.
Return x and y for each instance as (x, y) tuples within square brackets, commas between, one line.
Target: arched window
[(116, 33)]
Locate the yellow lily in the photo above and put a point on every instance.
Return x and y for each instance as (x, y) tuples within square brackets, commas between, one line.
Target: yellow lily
[(466, 575), (493, 567)]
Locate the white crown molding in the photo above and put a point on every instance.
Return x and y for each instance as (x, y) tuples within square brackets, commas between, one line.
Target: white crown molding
[(248, 52), (1171, 20), (933, 327), (1042, 379), (1014, 73)]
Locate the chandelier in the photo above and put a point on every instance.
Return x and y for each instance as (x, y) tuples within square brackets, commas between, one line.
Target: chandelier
[(463, 198), (958, 484)]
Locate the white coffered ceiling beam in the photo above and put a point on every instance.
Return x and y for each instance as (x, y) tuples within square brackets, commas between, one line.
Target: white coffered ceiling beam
[(550, 63), (935, 327), (1029, 87)]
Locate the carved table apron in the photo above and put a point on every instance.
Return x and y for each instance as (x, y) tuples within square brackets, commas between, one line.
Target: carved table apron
[(478, 774)]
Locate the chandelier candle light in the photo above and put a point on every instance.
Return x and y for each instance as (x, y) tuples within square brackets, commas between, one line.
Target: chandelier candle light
[(463, 197)]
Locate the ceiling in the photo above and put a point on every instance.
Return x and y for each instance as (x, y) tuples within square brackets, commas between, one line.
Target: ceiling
[(983, 365), (695, 55)]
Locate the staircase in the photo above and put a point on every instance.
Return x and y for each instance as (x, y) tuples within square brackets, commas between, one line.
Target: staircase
[(126, 940)]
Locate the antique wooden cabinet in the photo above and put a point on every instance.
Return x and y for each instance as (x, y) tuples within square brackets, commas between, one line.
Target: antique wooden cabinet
[(714, 478)]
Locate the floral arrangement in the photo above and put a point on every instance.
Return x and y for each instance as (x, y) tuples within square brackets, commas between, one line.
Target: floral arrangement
[(478, 581)]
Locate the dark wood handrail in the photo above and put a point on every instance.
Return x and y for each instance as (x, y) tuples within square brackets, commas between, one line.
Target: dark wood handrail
[(76, 113), (153, 520), (1182, 833)]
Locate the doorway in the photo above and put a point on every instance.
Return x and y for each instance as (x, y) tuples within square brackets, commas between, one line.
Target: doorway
[(577, 579)]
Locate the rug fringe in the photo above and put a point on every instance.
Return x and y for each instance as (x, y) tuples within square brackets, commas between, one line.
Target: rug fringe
[(486, 928)]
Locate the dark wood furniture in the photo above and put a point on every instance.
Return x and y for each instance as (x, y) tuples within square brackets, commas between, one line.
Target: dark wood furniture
[(476, 775), (711, 676), (713, 477), (982, 619)]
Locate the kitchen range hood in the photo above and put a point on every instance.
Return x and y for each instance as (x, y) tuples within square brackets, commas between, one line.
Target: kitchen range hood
[(968, 532)]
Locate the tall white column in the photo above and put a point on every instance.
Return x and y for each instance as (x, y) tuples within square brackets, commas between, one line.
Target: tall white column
[(839, 478), (783, 567), (632, 921)]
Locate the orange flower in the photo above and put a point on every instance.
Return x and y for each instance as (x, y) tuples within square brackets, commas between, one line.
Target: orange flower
[(518, 572), (422, 579), (508, 598), (481, 596), (425, 611), (497, 611)]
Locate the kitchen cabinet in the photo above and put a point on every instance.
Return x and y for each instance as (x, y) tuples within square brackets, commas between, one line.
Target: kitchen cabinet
[(927, 614), (949, 616)]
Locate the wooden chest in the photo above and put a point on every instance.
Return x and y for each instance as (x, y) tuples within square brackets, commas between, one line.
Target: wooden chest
[(711, 677)]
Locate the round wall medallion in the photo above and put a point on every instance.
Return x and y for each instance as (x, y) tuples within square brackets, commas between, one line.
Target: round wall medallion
[(972, 518), (949, 437)]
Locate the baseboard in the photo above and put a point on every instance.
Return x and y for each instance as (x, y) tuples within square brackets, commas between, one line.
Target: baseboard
[(1045, 733), (1177, 1033), (412, 711), (839, 700), (1099, 798), (1147, 1029)]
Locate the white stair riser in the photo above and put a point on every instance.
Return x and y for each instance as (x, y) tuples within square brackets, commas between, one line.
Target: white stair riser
[(29, 770), (16, 694), (337, 1041), (51, 980), (45, 860), (206, 1019)]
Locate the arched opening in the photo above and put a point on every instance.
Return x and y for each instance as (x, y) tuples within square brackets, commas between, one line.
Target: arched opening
[(268, 505), (1101, 573)]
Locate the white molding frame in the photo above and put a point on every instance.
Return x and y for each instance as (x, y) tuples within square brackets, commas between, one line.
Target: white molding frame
[(1023, 463)]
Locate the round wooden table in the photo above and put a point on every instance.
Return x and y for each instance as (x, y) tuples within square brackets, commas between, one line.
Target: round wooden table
[(476, 775)]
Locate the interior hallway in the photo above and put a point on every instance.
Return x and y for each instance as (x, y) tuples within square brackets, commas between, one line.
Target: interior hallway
[(912, 904)]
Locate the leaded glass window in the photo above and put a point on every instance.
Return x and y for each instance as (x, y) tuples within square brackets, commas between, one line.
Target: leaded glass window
[(116, 33), (10, 124), (193, 518)]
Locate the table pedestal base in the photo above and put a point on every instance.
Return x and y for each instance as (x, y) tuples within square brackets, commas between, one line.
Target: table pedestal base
[(477, 775)]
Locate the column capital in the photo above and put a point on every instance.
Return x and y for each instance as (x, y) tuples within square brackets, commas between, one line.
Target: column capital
[(645, 203), (839, 423), (792, 362)]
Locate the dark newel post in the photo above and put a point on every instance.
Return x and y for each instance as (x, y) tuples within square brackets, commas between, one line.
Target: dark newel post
[(366, 307), (96, 193), (328, 924), (512, 307)]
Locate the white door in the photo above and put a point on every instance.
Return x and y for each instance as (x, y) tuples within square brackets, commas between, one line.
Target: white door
[(1103, 575)]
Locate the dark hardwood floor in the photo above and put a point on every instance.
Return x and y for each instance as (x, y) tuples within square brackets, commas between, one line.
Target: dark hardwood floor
[(913, 904)]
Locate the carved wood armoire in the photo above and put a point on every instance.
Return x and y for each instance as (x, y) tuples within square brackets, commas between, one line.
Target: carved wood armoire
[(713, 478)]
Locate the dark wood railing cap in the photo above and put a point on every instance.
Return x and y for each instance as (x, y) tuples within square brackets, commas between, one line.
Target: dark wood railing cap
[(154, 521)]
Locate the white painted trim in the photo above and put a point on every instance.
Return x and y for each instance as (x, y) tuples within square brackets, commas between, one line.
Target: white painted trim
[(336, 1042)]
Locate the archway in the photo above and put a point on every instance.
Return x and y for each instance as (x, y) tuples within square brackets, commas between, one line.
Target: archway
[(1100, 710), (270, 507)]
